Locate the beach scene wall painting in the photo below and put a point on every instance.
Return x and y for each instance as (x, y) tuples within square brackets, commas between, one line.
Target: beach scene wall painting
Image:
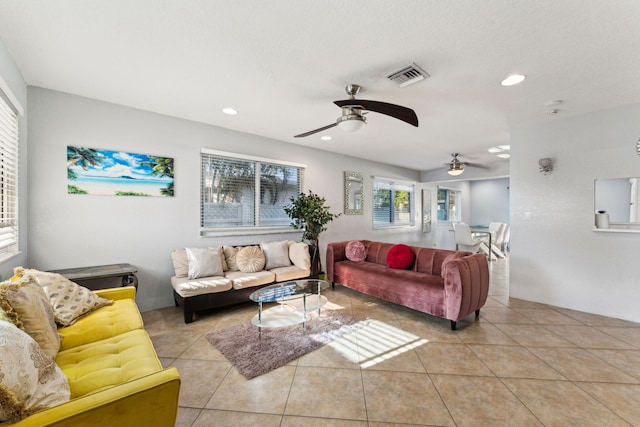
[(117, 173)]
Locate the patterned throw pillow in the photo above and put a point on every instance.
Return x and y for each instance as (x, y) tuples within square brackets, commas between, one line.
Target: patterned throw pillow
[(30, 380), (28, 307), (355, 251), (69, 300), (276, 254), (250, 259)]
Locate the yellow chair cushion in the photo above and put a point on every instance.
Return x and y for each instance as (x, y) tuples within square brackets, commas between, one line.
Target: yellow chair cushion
[(110, 362), (120, 317)]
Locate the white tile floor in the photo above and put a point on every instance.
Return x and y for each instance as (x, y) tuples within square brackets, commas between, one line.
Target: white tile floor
[(520, 364)]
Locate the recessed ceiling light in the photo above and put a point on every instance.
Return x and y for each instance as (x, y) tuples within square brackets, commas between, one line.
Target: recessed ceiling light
[(504, 155), (513, 79), (325, 138), (230, 111), (504, 147), (495, 150)]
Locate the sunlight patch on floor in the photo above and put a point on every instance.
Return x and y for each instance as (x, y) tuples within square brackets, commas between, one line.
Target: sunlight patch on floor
[(375, 343)]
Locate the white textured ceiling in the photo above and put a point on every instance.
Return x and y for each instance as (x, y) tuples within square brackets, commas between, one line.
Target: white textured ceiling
[(282, 63)]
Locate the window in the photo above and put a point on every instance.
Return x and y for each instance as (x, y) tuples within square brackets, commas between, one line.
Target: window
[(448, 205), (8, 176), (246, 192), (392, 203)]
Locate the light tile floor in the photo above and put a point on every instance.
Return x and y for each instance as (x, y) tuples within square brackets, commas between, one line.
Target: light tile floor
[(520, 364)]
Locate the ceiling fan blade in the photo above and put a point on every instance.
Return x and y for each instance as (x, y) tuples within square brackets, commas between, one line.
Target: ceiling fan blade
[(397, 111), (302, 135), (476, 165)]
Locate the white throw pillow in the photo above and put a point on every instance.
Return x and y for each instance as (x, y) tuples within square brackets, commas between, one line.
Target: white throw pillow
[(30, 380), (276, 254), (204, 262), (299, 255)]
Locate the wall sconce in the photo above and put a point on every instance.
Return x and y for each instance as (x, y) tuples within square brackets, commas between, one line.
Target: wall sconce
[(545, 165)]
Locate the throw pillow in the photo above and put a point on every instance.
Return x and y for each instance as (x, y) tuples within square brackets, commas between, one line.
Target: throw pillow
[(400, 257), (28, 307), (355, 251), (276, 254), (250, 259), (204, 262), (180, 262), (30, 380), (299, 255), (69, 300), (230, 257)]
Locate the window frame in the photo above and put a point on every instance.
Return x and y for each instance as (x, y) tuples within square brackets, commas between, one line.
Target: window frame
[(10, 114), (209, 231), (457, 204), (395, 185)]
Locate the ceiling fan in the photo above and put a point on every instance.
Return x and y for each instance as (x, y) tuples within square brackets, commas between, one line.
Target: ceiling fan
[(353, 111), (456, 167)]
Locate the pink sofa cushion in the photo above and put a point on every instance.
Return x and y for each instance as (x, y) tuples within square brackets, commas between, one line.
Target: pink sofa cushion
[(400, 256), (355, 251)]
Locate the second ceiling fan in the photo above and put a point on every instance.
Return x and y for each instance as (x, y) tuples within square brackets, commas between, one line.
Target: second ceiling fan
[(353, 111), (456, 167)]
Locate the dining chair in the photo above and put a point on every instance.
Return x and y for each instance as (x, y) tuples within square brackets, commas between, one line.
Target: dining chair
[(497, 229), (465, 241)]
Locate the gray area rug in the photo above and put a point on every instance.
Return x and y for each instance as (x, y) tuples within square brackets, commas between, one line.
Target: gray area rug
[(253, 355)]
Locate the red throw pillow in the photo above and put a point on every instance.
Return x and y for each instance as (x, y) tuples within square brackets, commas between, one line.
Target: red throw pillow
[(355, 251), (400, 257)]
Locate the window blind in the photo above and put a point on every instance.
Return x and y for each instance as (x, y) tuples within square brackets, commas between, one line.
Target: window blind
[(241, 192), (8, 177), (393, 203)]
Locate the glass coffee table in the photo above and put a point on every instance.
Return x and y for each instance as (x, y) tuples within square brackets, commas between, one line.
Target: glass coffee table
[(296, 299)]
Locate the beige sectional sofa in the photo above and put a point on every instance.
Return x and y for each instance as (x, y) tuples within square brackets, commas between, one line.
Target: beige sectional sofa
[(213, 277)]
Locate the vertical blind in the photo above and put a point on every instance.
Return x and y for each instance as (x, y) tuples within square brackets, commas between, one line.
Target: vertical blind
[(393, 203), (8, 177), (240, 192)]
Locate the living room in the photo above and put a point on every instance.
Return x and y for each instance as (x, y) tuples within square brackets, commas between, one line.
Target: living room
[(556, 256)]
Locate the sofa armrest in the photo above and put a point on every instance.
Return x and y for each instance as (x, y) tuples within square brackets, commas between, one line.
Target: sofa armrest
[(335, 253), (150, 400), (466, 285), (117, 293)]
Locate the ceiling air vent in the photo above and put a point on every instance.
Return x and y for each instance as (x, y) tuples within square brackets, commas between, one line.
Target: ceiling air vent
[(408, 75)]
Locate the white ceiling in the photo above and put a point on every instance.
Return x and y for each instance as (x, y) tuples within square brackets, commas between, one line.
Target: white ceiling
[(282, 63)]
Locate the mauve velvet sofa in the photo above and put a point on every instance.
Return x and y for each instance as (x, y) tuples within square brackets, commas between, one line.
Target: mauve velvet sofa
[(444, 283)]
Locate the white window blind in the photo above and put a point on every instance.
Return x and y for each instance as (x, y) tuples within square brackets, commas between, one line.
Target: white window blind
[(393, 203), (8, 177), (240, 191)]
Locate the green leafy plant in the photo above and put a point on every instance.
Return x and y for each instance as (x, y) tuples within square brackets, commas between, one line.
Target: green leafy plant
[(310, 213)]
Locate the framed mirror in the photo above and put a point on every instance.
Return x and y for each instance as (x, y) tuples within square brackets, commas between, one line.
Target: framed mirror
[(426, 210), (619, 198), (353, 194)]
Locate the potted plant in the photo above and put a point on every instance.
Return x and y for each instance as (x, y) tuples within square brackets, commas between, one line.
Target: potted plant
[(310, 213)]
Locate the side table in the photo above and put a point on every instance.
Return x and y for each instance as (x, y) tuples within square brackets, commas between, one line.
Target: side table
[(84, 274)]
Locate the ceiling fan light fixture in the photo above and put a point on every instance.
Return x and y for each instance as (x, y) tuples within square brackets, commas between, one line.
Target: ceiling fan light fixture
[(351, 123), (455, 169), (513, 79)]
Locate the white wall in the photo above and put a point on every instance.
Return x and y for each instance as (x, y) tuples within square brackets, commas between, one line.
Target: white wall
[(14, 82), (81, 230), (556, 258), (489, 201)]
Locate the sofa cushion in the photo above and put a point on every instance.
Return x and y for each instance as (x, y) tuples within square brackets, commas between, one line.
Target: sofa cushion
[(120, 317), (299, 255), (106, 363), (355, 251), (186, 287), (204, 262), (284, 274), (400, 256), (30, 380), (28, 307), (69, 300), (276, 254), (241, 280), (250, 259)]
